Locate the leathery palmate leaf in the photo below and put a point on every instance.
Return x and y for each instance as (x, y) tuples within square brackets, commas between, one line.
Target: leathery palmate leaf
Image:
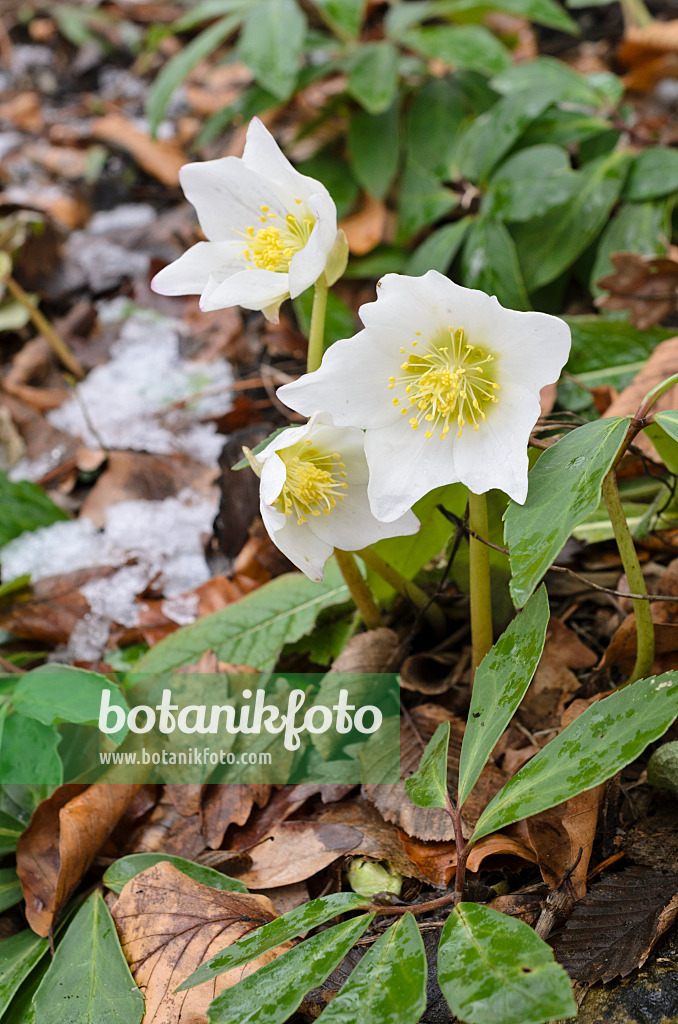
[(494, 969), (428, 786), (500, 683), (275, 991), (294, 923), (610, 734), (389, 984), (564, 489)]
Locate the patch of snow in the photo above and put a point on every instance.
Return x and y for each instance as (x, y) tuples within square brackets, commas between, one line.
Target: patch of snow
[(125, 217)]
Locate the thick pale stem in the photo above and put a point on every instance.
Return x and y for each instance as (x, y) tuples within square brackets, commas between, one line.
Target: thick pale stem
[(316, 338), (634, 576), (360, 592), (43, 325), (406, 588), (479, 580)]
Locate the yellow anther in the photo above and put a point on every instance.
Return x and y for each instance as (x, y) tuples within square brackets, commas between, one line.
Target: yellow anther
[(396, 401)]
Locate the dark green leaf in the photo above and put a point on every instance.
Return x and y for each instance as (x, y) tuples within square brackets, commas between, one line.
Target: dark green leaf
[(374, 148), (423, 200), (373, 75), (339, 320), (253, 630), (489, 262), (336, 178), (547, 245), (598, 343), (21, 734), (272, 42), (439, 249), (428, 786), (347, 15), (500, 683), (643, 228), (663, 433), (18, 956), (494, 969), (400, 17), (10, 888), (274, 992), (389, 984), (530, 183), (88, 979), (564, 488), (385, 259), (65, 694), (542, 12), (433, 122), (559, 127), (10, 830), (178, 68), (120, 873), (24, 506), (275, 933), (461, 46), (608, 735), (553, 76), (654, 174), (494, 133)]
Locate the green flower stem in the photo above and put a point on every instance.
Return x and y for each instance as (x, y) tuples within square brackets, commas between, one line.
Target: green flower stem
[(360, 592), (479, 580), (406, 588), (316, 337), (634, 576), (45, 328), (635, 14)]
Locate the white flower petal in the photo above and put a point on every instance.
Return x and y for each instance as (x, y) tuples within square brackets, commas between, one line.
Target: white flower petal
[(273, 475), (303, 548), (352, 526), (227, 196), (531, 348), (352, 383), (251, 289), (427, 304), (263, 156), (307, 265), (190, 273)]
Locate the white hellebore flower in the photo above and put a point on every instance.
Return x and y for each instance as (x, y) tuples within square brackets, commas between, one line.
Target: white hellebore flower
[(446, 383), (269, 230), (314, 494)]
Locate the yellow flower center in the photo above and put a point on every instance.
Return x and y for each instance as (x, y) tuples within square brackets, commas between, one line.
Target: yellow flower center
[(273, 246), (447, 384), (314, 482)]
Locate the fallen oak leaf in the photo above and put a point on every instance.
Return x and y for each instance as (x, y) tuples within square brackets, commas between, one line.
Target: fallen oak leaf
[(169, 925), (295, 850), (64, 835)]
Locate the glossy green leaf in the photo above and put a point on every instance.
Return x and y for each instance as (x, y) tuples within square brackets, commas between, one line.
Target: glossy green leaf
[(433, 122), (21, 734), (542, 12), (423, 200), (374, 148), (607, 736), (654, 174), (10, 888), (663, 432), (347, 15), (275, 933), (494, 969), (64, 694), (10, 830), (122, 871), (176, 70), (491, 135), (273, 993), (547, 245), (598, 343), (271, 44), (500, 683), (558, 126), (489, 262), (373, 75), (428, 786), (18, 956), (529, 183), (564, 488), (389, 984), (24, 506), (554, 76), (253, 630), (460, 46), (88, 979), (643, 228), (439, 249)]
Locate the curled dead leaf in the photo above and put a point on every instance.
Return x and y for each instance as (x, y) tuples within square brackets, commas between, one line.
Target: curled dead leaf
[(295, 850), (646, 286)]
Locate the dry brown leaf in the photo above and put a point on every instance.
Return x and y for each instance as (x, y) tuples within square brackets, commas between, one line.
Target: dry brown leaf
[(296, 850), (380, 840), (554, 682), (159, 158), (646, 286), (24, 111), (432, 673), (52, 609), (662, 363), (437, 861), (30, 367), (622, 647), (431, 823), (229, 805), (65, 833), (366, 229), (374, 651), (169, 925)]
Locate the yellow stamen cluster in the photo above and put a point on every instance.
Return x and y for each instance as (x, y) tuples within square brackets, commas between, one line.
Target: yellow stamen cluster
[(445, 385), (273, 246), (314, 482)]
